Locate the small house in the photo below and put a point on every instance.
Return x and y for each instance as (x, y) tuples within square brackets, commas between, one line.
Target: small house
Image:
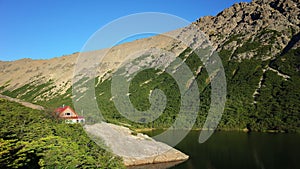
[(68, 114)]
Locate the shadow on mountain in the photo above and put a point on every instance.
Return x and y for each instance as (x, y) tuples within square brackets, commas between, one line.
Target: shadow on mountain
[(295, 39)]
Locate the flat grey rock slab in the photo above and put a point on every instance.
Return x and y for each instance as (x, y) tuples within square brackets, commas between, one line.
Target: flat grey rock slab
[(136, 149)]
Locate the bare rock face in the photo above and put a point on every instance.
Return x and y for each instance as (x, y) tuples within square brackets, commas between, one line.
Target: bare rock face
[(244, 22), (136, 149)]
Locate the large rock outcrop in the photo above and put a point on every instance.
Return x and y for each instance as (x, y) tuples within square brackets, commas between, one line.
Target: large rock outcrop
[(136, 149)]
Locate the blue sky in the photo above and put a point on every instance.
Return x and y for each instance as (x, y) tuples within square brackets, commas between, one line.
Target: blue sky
[(43, 29)]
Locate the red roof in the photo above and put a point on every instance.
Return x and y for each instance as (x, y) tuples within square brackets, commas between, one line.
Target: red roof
[(61, 109)]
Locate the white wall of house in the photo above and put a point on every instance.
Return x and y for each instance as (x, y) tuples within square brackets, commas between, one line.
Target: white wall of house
[(72, 121)]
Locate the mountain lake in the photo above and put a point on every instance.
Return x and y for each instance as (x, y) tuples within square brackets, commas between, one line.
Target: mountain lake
[(239, 150)]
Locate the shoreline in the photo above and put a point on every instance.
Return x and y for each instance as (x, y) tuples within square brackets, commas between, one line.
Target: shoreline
[(224, 129), (156, 165)]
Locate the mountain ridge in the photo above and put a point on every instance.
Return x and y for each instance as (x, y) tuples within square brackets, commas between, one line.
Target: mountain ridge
[(258, 43), (231, 19)]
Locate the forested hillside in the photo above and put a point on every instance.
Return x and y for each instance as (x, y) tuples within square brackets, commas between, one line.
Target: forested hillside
[(33, 139), (257, 97)]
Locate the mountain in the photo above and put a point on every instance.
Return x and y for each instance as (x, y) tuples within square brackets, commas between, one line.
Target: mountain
[(258, 43), (274, 23)]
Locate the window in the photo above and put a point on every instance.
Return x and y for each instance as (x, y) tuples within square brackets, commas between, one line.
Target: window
[(67, 114)]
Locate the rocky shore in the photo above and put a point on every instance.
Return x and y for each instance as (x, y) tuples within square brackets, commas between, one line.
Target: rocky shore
[(135, 149)]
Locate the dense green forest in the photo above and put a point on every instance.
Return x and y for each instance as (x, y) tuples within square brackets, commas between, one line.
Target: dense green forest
[(33, 139), (272, 106)]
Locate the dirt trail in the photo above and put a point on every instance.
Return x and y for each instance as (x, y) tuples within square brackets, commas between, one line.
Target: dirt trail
[(26, 104)]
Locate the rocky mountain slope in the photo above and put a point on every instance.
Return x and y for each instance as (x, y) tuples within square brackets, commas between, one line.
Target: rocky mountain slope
[(58, 72), (258, 43), (263, 21)]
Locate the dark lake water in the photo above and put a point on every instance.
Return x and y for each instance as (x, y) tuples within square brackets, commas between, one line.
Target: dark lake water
[(238, 150)]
